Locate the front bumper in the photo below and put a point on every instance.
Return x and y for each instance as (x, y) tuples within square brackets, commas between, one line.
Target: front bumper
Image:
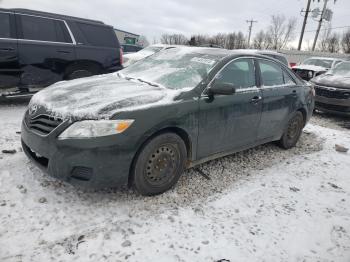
[(333, 105), (89, 163)]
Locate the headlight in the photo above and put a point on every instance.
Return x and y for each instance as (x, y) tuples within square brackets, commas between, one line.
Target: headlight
[(310, 74), (96, 128)]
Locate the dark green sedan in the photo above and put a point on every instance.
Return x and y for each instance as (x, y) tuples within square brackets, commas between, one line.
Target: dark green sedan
[(178, 108)]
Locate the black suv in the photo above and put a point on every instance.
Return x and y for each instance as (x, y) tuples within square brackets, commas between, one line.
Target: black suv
[(38, 49)]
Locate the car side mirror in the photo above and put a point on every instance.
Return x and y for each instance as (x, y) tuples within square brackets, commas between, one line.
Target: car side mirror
[(221, 89)]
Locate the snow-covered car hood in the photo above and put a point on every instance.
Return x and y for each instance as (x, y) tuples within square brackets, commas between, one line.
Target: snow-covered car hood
[(310, 68), (332, 81), (100, 97)]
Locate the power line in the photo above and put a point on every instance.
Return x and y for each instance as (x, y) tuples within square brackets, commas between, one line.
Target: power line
[(250, 29)]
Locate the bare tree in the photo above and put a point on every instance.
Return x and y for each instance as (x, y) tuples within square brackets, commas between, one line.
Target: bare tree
[(258, 42), (345, 42), (329, 42), (322, 42), (218, 39), (281, 30), (231, 41), (173, 39), (333, 43), (241, 41), (263, 40)]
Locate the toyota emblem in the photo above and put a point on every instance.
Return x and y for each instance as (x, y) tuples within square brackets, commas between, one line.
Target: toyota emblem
[(33, 109)]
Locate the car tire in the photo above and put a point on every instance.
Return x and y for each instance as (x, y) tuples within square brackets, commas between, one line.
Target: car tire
[(293, 131), (159, 164), (80, 71)]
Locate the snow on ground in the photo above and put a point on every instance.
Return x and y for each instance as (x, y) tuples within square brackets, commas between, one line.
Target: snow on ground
[(264, 204)]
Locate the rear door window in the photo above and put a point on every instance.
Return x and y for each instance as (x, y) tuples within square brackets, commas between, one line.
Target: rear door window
[(44, 29), (240, 73), (5, 25), (288, 80), (98, 35), (271, 73)]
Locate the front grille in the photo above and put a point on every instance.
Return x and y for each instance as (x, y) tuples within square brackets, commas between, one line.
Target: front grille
[(43, 161), (344, 109), (337, 94), (43, 124)]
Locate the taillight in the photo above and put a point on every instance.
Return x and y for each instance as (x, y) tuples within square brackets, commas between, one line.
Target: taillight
[(121, 56)]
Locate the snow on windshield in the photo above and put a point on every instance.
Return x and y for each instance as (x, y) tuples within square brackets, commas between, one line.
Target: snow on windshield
[(174, 68)]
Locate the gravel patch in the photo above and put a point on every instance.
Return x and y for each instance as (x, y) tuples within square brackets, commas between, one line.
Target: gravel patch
[(193, 187)]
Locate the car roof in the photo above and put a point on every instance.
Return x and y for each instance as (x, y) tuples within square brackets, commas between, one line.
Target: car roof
[(261, 51), (223, 53), (325, 58), (50, 15)]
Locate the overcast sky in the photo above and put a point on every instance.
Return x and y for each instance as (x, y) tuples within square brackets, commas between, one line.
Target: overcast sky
[(155, 17)]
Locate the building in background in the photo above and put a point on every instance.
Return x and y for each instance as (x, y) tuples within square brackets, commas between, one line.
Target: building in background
[(125, 37)]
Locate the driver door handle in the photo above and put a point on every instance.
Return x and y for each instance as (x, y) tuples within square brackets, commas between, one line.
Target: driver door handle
[(255, 99)]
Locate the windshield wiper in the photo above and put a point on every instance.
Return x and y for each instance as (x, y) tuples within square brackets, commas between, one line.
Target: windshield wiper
[(141, 80), (150, 83)]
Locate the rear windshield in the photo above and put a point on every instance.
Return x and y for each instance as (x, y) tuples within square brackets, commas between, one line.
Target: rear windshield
[(318, 62), (342, 69), (174, 68), (98, 35)]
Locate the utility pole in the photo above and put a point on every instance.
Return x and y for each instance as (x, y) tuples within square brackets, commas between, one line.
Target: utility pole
[(250, 29), (304, 24), (320, 23)]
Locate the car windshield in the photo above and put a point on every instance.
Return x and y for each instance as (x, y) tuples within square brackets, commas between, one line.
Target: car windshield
[(318, 62), (342, 69), (174, 68)]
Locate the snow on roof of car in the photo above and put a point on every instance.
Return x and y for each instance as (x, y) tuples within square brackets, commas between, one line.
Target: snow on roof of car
[(324, 58)]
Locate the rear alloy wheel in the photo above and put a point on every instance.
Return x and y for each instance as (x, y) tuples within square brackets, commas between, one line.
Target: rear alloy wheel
[(291, 135), (159, 164), (82, 70)]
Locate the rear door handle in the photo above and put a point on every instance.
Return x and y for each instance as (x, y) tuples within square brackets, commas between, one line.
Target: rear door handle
[(63, 51), (255, 99), (8, 49)]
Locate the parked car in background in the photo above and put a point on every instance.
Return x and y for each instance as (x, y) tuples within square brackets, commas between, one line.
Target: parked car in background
[(129, 59), (127, 48), (274, 54), (173, 110), (333, 90), (315, 66), (38, 49)]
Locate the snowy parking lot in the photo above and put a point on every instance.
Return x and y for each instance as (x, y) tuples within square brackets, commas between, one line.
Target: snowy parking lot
[(263, 204)]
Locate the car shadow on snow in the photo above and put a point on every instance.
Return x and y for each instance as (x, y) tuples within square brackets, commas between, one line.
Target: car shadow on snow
[(196, 184)]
